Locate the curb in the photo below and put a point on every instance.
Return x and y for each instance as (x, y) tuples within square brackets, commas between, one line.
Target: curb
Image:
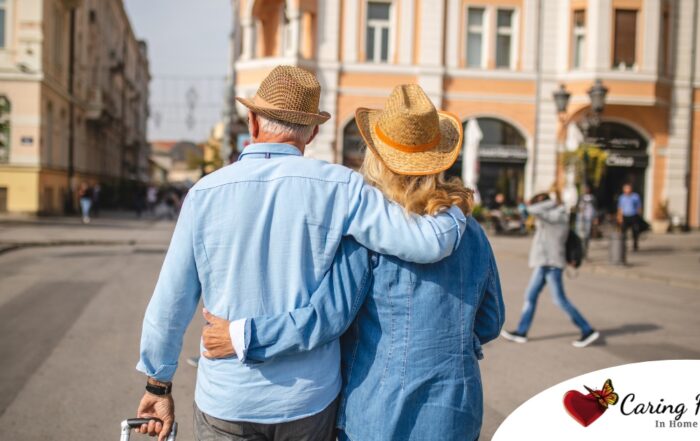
[(626, 273), (14, 246)]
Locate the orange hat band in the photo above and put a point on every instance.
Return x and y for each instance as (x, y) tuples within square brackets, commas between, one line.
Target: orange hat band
[(404, 147)]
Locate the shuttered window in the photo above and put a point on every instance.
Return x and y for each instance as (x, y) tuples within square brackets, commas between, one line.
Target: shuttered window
[(625, 46)]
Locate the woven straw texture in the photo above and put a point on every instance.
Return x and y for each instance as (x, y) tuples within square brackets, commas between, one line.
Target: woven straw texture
[(409, 135), (288, 94)]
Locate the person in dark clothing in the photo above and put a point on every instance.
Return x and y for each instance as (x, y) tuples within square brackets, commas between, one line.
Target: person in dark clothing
[(629, 210)]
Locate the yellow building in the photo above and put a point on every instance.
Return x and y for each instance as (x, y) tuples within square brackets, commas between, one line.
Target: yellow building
[(497, 63), (77, 81)]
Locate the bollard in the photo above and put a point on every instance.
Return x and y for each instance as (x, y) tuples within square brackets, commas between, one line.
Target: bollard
[(617, 248)]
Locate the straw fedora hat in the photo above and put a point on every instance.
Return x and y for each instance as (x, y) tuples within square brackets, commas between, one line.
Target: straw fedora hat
[(288, 94), (409, 135)]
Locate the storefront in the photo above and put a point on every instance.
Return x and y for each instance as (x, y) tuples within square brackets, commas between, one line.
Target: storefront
[(627, 162), (502, 155)]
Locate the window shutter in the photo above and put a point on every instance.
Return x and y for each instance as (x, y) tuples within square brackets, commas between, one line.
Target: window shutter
[(625, 37)]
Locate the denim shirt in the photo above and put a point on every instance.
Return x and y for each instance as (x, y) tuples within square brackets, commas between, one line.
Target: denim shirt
[(409, 358), (256, 238)]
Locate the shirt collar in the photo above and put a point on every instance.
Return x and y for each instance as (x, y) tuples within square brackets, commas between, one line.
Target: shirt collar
[(268, 150)]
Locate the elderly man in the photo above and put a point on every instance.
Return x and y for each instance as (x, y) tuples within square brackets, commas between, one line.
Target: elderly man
[(248, 236)]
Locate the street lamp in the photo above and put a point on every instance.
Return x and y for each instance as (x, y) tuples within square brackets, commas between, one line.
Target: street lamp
[(561, 100), (597, 94)]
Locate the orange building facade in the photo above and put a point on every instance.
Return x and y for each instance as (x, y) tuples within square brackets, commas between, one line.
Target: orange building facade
[(497, 63)]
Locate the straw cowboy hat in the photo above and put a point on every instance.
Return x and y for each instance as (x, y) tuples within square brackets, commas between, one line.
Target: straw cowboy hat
[(409, 135), (288, 94)]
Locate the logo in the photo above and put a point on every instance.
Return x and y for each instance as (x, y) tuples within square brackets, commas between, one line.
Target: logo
[(586, 409)]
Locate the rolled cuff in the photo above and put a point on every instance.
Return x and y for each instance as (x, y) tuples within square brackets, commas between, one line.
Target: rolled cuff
[(237, 330), (164, 373)]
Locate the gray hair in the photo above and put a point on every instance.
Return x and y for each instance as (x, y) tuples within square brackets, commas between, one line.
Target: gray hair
[(297, 132)]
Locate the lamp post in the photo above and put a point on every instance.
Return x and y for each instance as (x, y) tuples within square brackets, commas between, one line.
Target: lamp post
[(597, 94), (561, 100), (591, 121)]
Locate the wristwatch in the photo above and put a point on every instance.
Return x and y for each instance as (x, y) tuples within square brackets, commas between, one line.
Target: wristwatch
[(158, 387)]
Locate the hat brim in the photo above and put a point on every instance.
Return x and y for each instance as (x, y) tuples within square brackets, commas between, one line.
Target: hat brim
[(430, 162), (290, 116)]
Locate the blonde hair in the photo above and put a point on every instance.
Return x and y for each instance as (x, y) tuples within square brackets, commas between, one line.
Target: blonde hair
[(427, 194)]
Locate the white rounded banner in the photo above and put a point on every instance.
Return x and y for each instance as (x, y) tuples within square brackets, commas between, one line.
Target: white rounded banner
[(655, 400)]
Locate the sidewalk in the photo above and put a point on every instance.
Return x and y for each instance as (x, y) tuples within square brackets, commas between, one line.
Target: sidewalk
[(111, 228), (673, 259)]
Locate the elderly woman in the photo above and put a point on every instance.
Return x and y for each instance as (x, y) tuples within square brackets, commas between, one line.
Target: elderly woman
[(410, 356)]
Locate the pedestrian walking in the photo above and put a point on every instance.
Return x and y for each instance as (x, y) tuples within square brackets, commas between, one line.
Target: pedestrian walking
[(85, 195), (96, 199), (586, 217), (250, 236), (429, 321), (151, 199), (548, 260), (629, 212)]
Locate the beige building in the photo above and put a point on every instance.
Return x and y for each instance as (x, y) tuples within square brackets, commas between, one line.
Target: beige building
[(497, 63), (77, 81)]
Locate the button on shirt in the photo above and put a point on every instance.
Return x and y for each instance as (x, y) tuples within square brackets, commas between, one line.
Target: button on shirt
[(256, 238), (630, 204)]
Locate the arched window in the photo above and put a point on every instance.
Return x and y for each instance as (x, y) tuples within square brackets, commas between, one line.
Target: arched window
[(626, 163), (353, 146), (501, 158)]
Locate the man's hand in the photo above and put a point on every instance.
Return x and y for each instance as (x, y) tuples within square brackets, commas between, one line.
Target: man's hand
[(216, 337), (155, 406)]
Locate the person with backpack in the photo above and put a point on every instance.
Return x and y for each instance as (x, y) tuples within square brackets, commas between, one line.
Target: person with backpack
[(548, 258)]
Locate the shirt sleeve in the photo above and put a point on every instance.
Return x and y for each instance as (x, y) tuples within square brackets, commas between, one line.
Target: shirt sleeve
[(385, 227), (545, 211), (173, 303), (331, 310)]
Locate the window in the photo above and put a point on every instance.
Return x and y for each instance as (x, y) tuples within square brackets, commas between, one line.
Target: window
[(57, 35), (663, 46), (378, 25), (625, 46), (48, 137), (578, 39), (504, 38), (475, 37), (3, 15)]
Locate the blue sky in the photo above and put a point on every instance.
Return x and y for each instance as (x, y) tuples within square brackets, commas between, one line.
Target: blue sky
[(188, 49)]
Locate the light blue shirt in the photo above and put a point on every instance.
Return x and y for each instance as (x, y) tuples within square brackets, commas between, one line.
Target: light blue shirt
[(630, 204), (248, 238)]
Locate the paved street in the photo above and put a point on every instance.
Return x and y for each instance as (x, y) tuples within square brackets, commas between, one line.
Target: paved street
[(71, 307)]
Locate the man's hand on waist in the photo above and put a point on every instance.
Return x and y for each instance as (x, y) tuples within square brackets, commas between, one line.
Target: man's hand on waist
[(216, 337)]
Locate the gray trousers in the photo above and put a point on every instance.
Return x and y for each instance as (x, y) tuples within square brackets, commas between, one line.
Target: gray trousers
[(319, 427)]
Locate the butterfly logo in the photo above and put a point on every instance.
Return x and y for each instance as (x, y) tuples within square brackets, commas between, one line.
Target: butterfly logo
[(606, 396), (585, 409)]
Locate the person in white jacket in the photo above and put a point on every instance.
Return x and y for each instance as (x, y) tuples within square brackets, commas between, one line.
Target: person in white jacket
[(548, 260)]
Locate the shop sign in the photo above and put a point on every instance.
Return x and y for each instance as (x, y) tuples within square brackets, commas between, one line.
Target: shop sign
[(502, 152), (629, 160)]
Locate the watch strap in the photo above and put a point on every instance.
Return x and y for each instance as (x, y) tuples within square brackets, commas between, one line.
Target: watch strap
[(158, 390)]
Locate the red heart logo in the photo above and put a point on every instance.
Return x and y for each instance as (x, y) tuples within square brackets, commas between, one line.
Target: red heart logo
[(583, 408)]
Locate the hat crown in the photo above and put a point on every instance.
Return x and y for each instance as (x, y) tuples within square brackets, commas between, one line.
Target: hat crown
[(291, 88), (409, 117)]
